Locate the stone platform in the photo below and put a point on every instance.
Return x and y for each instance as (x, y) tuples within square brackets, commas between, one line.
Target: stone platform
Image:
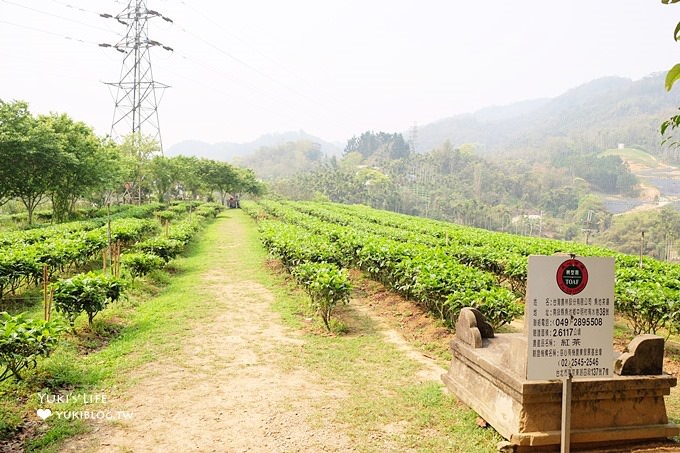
[(490, 379)]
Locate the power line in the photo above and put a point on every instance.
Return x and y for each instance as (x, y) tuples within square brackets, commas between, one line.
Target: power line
[(323, 109), (84, 10), (243, 63), (56, 15), (212, 88), (123, 119), (70, 38), (253, 88), (129, 107), (251, 47), (78, 8), (413, 139)]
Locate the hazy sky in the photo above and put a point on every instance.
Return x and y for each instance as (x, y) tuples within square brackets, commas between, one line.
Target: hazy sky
[(333, 68)]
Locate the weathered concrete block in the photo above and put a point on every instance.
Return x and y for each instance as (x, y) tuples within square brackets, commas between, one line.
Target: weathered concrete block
[(491, 380), (472, 328), (515, 354), (643, 356)]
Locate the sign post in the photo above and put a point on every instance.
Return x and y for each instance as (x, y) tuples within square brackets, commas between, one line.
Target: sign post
[(565, 439), (570, 322)]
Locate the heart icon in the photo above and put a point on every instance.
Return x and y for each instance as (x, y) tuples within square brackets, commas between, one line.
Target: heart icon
[(44, 413)]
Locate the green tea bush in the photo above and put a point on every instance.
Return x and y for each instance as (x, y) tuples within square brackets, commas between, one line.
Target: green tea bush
[(165, 248), (326, 284), (88, 292), (22, 341), (141, 263)]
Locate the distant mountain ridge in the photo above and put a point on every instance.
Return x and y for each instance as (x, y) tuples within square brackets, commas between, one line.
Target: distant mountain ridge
[(594, 116), (227, 151)]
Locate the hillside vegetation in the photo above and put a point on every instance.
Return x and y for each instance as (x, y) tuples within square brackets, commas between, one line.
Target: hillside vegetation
[(563, 199), (590, 118), (558, 168)]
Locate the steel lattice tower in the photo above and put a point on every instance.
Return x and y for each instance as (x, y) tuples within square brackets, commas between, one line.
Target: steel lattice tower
[(413, 139), (136, 101)]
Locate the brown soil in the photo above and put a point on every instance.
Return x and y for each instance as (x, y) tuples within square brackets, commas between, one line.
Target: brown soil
[(222, 390), (403, 319)]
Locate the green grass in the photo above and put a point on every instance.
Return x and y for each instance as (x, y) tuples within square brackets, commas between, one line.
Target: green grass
[(633, 155), (382, 406), (60, 429), (385, 407), (146, 326), (379, 382)]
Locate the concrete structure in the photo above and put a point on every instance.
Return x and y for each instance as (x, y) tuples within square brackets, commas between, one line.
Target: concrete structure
[(490, 378)]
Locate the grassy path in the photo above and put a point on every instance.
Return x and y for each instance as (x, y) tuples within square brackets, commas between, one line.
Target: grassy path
[(222, 361)]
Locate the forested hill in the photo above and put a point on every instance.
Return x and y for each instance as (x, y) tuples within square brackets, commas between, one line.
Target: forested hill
[(594, 116)]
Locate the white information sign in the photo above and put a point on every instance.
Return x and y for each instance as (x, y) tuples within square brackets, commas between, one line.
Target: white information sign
[(570, 317)]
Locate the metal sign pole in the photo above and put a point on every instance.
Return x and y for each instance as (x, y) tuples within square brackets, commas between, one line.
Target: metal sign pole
[(566, 415)]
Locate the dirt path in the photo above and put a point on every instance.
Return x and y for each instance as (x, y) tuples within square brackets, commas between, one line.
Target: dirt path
[(225, 390)]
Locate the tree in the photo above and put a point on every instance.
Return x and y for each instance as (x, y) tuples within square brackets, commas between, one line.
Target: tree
[(30, 155), (137, 151), (85, 165), (15, 121), (164, 176), (672, 76), (219, 176), (282, 160), (392, 146), (246, 182), (189, 178), (111, 170)]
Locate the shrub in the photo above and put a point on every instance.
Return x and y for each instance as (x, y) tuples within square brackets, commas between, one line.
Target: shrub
[(185, 231), (140, 263), (647, 305), (499, 306), (165, 216), (22, 341), (209, 209), (648, 297), (165, 248), (85, 292), (326, 285)]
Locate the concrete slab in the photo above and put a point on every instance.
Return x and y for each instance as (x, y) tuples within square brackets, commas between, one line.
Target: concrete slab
[(490, 380)]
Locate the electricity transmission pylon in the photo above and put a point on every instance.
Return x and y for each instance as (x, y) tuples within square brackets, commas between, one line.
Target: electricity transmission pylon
[(136, 101), (413, 139)]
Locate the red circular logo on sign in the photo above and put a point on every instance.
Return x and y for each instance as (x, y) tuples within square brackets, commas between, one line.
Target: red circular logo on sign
[(572, 276)]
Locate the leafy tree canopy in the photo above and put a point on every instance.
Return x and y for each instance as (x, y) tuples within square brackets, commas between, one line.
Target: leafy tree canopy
[(31, 155), (672, 77), (392, 146)]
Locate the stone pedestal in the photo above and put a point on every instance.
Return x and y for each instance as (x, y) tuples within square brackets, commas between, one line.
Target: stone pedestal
[(490, 379)]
